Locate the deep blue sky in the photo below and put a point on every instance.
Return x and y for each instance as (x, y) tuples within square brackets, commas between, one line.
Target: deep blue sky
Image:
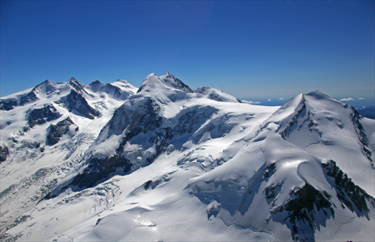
[(251, 49)]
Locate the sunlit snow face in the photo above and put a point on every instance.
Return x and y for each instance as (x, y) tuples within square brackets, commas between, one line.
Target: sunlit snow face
[(144, 221), (292, 163)]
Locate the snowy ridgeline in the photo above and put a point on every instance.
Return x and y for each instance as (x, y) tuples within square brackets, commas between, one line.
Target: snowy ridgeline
[(110, 162)]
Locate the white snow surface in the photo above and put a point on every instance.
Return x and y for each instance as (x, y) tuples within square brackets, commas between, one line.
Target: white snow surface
[(227, 175), (32, 165)]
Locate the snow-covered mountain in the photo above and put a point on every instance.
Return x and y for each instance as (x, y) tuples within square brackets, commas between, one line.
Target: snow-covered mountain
[(44, 133), (108, 162)]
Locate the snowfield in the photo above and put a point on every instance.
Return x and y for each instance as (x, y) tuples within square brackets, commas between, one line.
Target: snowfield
[(168, 163)]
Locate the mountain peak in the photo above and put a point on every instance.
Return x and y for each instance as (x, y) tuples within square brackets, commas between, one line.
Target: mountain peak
[(318, 95), (72, 81), (76, 85), (45, 83), (45, 87), (152, 81), (171, 81), (168, 74), (149, 82), (122, 81)]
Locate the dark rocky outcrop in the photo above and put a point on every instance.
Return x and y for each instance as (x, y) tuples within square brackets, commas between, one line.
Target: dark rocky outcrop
[(55, 132), (349, 194), (309, 208), (131, 122), (77, 104), (9, 104), (95, 85), (77, 86), (294, 120), (114, 91), (43, 115), (302, 209), (4, 152), (356, 120), (100, 169), (30, 97)]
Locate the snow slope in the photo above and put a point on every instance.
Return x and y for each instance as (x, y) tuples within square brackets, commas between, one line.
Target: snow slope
[(175, 164), (46, 137)]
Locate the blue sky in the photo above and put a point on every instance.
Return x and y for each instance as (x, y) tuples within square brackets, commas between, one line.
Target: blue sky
[(254, 50)]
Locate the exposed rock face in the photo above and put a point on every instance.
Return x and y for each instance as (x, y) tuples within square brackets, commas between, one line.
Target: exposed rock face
[(55, 132), (174, 82), (9, 104), (114, 91), (95, 85), (43, 115), (307, 202), (133, 124), (145, 119), (77, 86), (31, 97), (304, 212), (77, 104), (100, 169), (356, 117), (302, 209), (349, 194), (139, 118), (300, 111), (4, 152)]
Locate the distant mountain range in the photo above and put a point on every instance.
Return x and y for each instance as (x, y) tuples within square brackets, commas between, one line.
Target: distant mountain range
[(112, 162)]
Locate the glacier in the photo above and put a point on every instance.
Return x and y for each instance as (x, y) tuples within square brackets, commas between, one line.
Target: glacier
[(163, 162)]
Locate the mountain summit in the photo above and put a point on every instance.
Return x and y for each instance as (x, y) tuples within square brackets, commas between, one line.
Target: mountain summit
[(110, 162), (153, 81)]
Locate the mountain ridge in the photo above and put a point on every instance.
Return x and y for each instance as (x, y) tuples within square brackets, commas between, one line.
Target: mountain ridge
[(200, 160)]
